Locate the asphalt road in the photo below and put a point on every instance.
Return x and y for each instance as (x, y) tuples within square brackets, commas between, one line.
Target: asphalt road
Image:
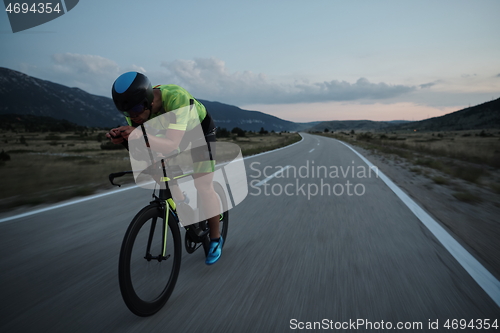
[(291, 257)]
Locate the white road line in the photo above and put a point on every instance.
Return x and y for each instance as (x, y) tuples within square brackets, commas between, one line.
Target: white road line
[(65, 204), (272, 176), (311, 150), (477, 271), (14, 217), (274, 150)]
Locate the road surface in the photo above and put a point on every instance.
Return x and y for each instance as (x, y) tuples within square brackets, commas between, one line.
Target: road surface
[(293, 257)]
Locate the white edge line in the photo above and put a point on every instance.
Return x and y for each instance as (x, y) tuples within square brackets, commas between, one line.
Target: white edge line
[(274, 150), (72, 202), (481, 275)]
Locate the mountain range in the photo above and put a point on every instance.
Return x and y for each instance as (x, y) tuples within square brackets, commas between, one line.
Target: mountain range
[(21, 94), (482, 116), (356, 125), (25, 95)]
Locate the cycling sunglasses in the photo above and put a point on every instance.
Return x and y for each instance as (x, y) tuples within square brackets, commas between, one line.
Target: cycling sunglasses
[(135, 111)]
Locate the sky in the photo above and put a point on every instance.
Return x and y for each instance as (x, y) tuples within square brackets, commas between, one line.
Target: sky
[(298, 60)]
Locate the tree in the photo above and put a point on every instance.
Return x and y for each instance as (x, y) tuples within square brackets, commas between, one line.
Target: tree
[(222, 133), (238, 131)]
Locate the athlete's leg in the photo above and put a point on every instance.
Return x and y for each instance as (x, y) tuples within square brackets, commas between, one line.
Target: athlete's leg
[(209, 201)]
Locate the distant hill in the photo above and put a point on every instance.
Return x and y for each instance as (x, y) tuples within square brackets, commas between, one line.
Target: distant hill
[(482, 116), (22, 94), (30, 123), (25, 95), (356, 125), (229, 117)]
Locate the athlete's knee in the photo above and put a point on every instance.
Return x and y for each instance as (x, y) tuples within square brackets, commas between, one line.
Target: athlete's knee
[(204, 182)]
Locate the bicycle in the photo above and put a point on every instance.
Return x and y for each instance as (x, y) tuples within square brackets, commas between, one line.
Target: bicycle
[(151, 251)]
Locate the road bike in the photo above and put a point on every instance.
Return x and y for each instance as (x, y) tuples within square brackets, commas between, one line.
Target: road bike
[(151, 251)]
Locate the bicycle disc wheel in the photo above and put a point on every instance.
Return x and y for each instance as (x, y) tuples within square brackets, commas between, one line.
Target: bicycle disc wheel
[(147, 274)]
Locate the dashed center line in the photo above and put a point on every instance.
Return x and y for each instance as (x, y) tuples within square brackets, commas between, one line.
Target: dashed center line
[(311, 150), (272, 176)]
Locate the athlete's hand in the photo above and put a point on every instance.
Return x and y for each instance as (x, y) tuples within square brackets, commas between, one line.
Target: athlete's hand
[(115, 136), (125, 131)]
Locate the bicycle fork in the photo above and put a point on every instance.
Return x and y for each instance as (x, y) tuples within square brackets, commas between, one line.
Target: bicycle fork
[(165, 207)]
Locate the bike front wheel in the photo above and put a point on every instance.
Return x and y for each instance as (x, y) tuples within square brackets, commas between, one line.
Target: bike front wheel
[(150, 260)]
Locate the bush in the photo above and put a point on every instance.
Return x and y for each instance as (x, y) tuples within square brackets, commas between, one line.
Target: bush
[(238, 131), (466, 196), (222, 133), (52, 137), (4, 156), (440, 180), (364, 136), (111, 146), (468, 173), (100, 137)]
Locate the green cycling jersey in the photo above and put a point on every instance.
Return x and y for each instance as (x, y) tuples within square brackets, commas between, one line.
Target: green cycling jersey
[(188, 111)]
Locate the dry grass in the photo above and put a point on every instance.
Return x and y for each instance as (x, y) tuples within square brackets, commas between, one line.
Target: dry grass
[(46, 167), (254, 144), (54, 167), (469, 146), (467, 155), (467, 197)]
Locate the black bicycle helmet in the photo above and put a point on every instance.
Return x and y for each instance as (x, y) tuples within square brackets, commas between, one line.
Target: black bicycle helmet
[(131, 89)]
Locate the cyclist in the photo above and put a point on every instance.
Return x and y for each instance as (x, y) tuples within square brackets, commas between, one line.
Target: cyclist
[(135, 97)]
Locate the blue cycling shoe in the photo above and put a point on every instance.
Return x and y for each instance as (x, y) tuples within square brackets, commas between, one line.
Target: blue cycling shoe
[(215, 251)]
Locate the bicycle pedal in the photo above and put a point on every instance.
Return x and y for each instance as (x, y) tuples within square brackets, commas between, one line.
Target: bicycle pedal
[(204, 233)]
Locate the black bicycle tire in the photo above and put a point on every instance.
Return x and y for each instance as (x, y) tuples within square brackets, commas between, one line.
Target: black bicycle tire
[(132, 300), (222, 196)]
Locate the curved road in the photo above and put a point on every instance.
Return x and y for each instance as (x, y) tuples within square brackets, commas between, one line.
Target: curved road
[(292, 257)]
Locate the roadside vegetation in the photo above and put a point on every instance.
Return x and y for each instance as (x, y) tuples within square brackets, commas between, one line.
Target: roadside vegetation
[(472, 156), (49, 166)]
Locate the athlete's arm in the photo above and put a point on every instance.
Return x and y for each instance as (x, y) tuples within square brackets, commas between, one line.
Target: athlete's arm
[(167, 144), (164, 145)]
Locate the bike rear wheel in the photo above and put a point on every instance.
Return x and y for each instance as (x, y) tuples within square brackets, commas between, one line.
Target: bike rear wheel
[(149, 263)]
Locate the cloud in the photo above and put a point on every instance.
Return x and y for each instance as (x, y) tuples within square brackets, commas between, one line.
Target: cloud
[(427, 85), (210, 79), (92, 73), (84, 64)]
